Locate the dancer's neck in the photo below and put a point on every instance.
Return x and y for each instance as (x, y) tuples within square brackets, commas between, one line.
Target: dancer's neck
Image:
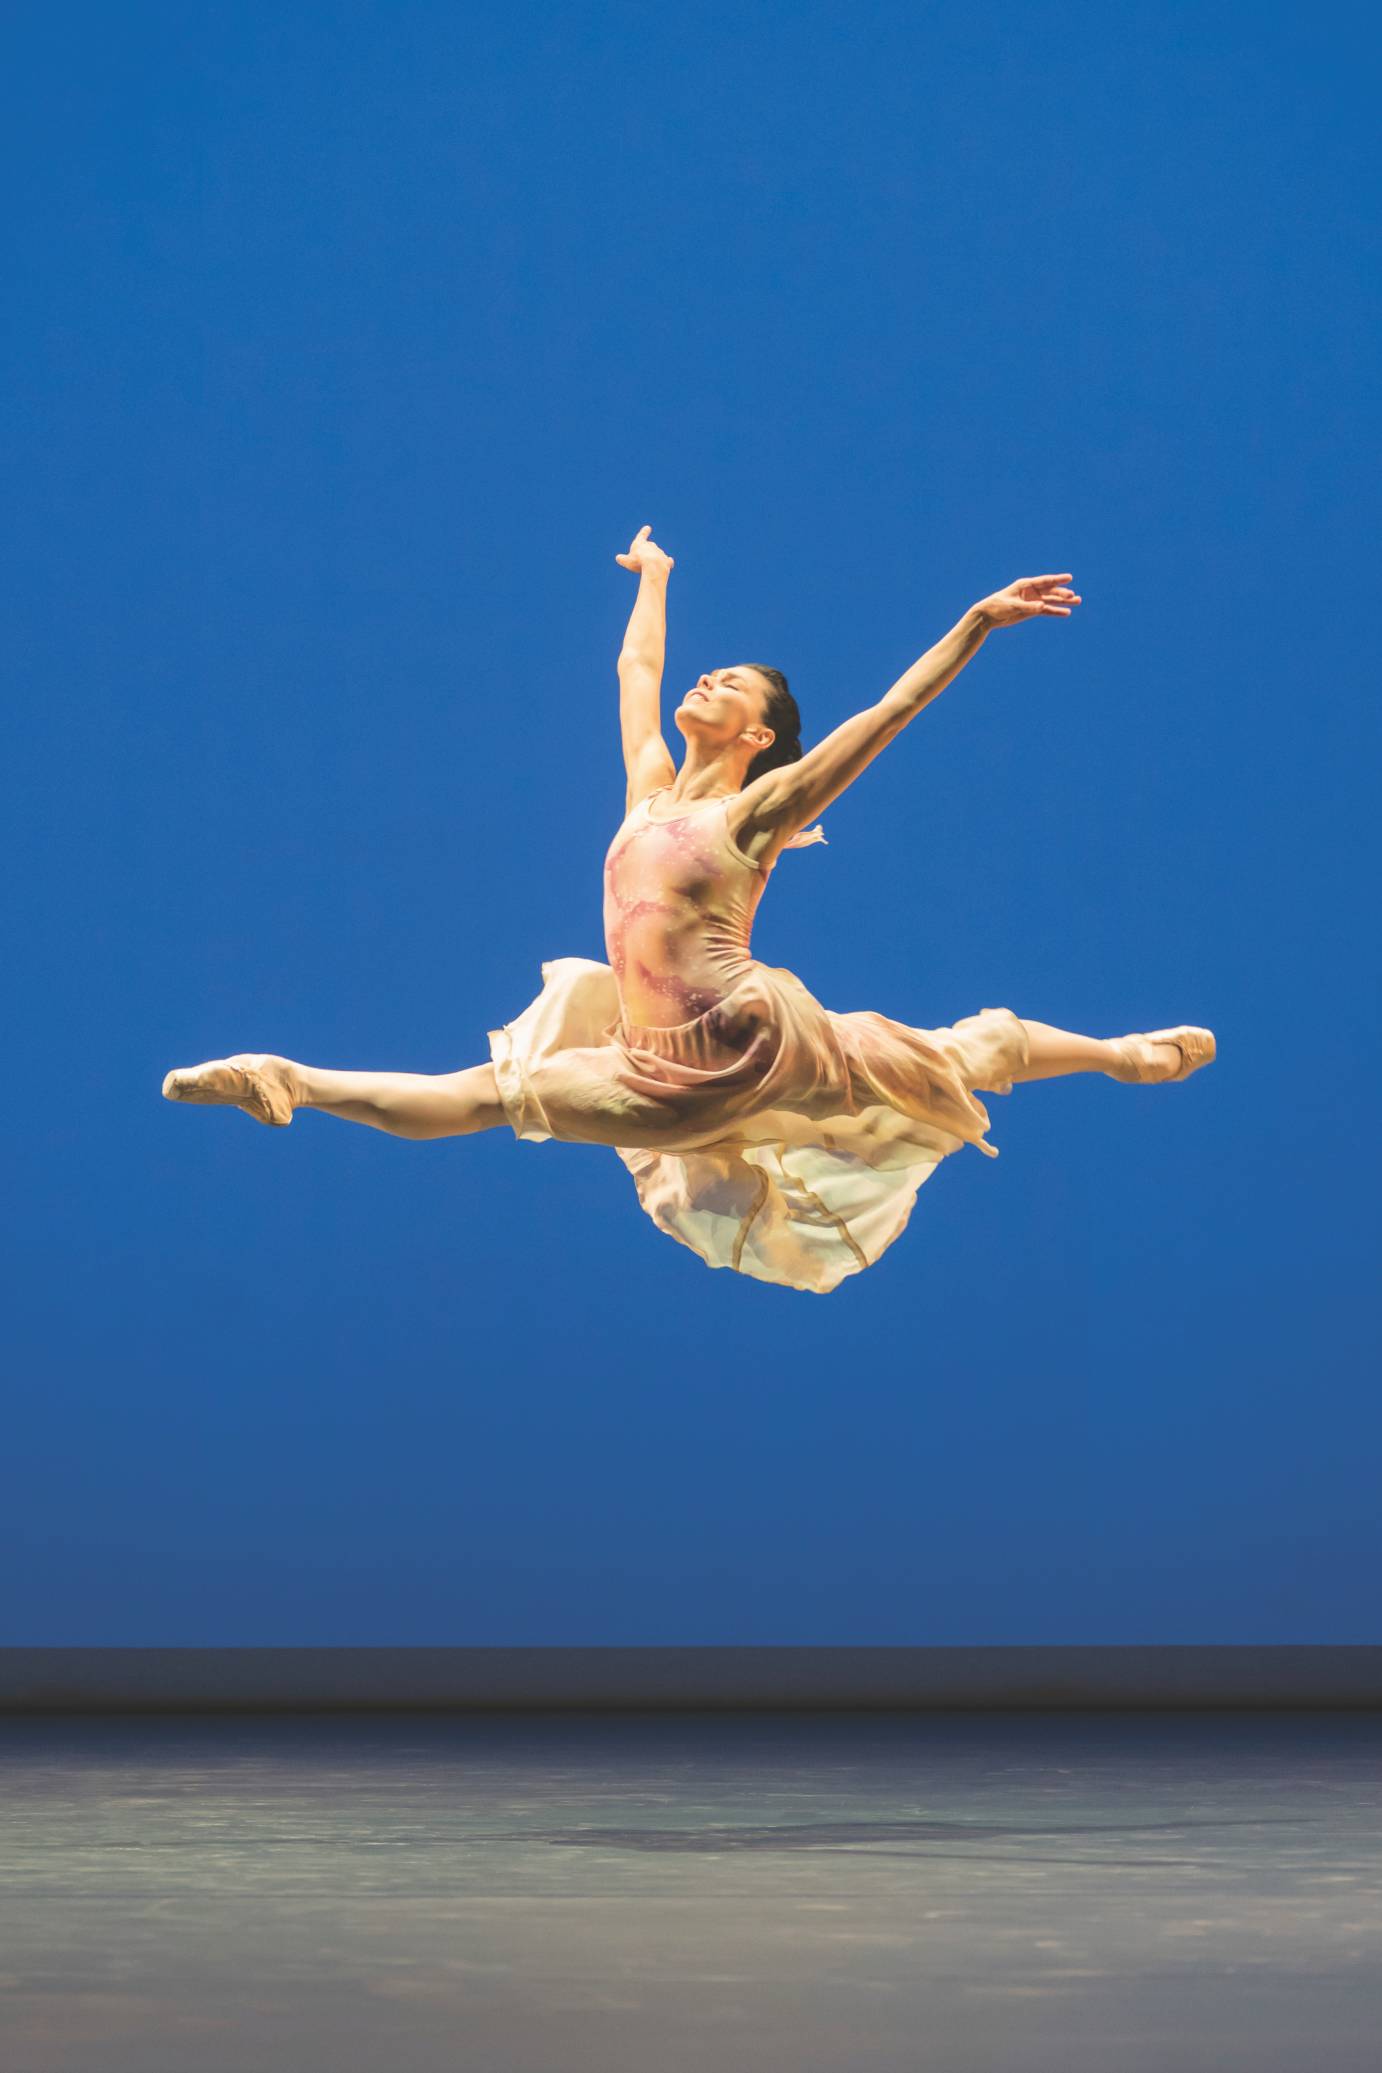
[(698, 780)]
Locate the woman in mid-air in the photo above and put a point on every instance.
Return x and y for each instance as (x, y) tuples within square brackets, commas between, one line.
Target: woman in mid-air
[(764, 1131)]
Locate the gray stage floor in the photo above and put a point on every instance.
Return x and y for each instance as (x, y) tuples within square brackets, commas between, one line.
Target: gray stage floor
[(1037, 1893)]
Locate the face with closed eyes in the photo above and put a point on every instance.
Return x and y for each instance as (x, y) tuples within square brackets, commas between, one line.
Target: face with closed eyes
[(726, 706)]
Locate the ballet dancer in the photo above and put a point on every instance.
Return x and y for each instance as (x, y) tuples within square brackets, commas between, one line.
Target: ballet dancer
[(770, 1134)]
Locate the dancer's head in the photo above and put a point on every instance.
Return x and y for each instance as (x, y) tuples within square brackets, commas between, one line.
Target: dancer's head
[(747, 712)]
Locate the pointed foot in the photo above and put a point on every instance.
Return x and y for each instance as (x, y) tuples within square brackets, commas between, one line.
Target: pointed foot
[(1162, 1054), (255, 1081)]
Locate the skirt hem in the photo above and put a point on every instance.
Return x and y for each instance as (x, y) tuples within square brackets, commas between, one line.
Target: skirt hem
[(806, 1188)]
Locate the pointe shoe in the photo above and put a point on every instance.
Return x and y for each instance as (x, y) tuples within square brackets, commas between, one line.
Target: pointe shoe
[(235, 1083), (1196, 1047)]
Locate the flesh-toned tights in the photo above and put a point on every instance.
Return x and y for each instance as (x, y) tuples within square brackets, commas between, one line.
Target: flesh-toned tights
[(455, 1104)]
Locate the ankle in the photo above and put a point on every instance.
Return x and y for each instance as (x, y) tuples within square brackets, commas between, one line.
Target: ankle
[(296, 1080), (1123, 1063)]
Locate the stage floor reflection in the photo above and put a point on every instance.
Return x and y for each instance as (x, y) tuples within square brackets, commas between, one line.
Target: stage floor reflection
[(506, 1893)]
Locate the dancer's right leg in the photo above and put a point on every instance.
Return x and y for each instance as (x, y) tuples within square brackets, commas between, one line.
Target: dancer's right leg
[(405, 1104)]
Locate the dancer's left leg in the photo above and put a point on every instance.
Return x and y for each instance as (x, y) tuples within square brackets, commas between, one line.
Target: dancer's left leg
[(1053, 1053)]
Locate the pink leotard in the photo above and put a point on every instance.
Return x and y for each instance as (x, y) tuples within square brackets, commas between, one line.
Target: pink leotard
[(680, 897), (770, 1133)]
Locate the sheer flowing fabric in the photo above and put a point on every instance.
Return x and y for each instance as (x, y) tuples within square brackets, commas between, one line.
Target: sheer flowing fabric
[(794, 1157), (770, 1134)]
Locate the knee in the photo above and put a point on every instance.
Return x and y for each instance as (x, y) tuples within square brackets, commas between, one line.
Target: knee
[(472, 1100), (447, 1104)]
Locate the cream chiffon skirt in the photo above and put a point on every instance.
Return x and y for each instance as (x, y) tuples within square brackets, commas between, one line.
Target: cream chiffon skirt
[(771, 1135)]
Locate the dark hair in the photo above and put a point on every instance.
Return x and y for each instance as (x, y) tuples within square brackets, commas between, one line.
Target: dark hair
[(780, 713)]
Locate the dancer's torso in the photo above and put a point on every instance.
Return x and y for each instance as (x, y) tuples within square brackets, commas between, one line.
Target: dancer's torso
[(679, 905)]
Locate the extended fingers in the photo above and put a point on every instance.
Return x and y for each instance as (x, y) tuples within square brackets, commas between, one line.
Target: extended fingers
[(1039, 586), (1050, 594), (627, 557)]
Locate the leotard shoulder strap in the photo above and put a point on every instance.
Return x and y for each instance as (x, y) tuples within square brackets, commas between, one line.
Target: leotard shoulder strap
[(802, 839)]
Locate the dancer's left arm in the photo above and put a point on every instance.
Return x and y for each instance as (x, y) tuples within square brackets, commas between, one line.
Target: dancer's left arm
[(785, 799)]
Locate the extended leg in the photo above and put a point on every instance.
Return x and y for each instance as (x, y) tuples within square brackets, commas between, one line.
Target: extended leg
[(406, 1104), (1054, 1053)]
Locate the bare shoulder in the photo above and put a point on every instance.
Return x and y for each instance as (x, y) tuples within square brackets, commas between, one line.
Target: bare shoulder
[(756, 821), (648, 770)]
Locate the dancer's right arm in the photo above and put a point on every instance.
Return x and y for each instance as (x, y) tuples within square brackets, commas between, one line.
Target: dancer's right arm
[(647, 758)]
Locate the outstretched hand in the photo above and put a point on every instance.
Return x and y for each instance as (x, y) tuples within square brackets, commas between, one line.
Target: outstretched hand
[(644, 553), (1031, 597)]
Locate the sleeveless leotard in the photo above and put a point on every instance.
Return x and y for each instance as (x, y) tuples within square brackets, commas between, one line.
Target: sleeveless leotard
[(680, 897), (770, 1134)]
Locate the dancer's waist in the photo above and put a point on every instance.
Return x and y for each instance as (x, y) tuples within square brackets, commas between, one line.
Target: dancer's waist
[(726, 1007), (671, 995)]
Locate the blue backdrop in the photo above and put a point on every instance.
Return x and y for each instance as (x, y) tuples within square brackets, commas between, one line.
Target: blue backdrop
[(350, 345)]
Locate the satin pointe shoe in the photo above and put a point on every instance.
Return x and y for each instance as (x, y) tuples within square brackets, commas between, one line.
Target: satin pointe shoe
[(237, 1082), (1196, 1047)]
